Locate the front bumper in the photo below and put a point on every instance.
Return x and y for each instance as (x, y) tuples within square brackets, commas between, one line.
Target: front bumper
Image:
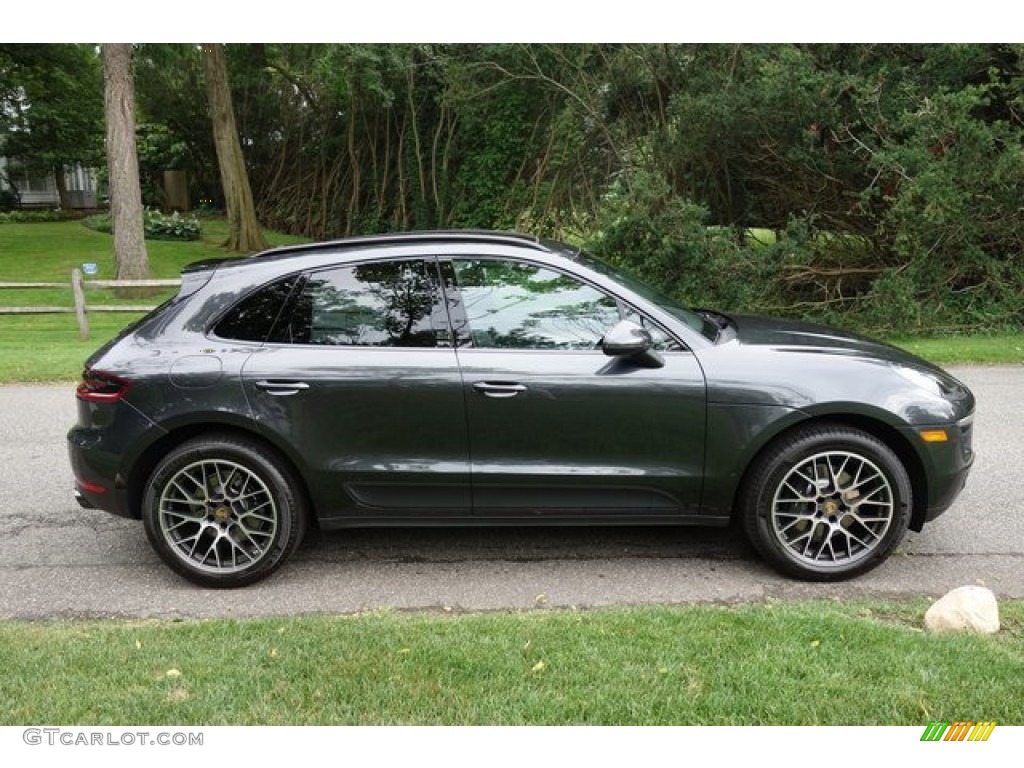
[(951, 463)]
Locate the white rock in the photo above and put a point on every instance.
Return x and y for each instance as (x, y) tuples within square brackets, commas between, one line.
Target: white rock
[(964, 609)]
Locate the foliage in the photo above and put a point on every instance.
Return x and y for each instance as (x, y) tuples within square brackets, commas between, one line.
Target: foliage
[(51, 105), (46, 347), (876, 186), (29, 217), (160, 226), (157, 225), (9, 200)]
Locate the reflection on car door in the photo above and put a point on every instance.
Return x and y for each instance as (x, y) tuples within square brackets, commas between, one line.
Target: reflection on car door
[(557, 428), (359, 373)]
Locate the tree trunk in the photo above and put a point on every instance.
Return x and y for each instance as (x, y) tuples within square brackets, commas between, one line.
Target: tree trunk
[(63, 196), (123, 162), (245, 234)]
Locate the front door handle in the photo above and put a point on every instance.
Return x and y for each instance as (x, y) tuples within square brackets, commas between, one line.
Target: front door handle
[(281, 387), (499, 389)]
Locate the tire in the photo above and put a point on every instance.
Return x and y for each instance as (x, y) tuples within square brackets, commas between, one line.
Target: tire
[(223, 511), (826, 503)]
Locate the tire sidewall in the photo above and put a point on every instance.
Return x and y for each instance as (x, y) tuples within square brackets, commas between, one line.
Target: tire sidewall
[(283, 490)]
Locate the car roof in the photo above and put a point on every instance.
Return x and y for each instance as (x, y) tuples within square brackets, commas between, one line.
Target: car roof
[(493, 237)]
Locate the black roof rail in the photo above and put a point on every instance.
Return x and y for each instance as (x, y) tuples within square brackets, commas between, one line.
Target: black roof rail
[(424, 236), (393, 238)]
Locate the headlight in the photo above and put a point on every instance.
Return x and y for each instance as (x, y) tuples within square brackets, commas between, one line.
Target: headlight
[(939, 384)]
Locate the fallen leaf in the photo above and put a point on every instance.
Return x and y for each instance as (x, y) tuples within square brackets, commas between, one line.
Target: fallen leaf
[(815, 643), (538, 666), (138, 644), (273, 653), (173, 673)]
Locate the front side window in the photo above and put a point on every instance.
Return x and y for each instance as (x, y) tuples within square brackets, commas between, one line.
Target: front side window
[(381, 304), (514, 305)]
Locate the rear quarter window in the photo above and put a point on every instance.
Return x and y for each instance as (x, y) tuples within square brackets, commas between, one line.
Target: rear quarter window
[(253, 317)]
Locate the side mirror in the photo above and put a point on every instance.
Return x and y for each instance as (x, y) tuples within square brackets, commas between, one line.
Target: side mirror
[(628, 340)]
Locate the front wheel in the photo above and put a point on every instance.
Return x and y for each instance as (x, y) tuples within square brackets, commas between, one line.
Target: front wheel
[(223, 511), (827, 502)]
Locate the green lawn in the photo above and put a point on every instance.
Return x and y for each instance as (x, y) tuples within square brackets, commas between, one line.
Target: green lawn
[(961, 350), (47, 348), (41, 252), (813, 663)]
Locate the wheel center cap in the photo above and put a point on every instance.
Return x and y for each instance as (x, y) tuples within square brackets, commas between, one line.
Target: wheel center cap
[(222, 514), (830, 507)]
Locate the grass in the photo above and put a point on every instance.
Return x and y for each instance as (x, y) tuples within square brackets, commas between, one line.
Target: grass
[(47, 348), (37, 348), (962, 350), (812, 663), (42, 252)]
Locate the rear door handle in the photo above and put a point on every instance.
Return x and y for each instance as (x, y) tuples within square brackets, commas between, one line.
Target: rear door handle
[(280, 387), (499, 389)]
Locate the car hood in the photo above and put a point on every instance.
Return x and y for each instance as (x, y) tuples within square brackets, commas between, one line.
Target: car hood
[(796, 336)]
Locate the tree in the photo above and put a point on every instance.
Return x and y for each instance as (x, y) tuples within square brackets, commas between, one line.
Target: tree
[(245, 234), (123, 163), (50, 108)]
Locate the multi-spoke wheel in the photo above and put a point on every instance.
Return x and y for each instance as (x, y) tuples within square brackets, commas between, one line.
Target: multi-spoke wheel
[(223, 512), (826, 503)]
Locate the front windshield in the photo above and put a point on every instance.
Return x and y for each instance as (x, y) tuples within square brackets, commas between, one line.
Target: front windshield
[(692, 319)]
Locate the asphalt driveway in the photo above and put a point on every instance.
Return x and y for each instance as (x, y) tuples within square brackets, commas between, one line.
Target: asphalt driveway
[(58, 560)]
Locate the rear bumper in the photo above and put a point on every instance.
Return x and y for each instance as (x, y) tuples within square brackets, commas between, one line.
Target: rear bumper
[(98, 484)]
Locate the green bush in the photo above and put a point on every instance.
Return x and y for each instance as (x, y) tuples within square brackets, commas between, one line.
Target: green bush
[(99, 222), (33, 217), (157, 225), (9, 200), (161, 226)]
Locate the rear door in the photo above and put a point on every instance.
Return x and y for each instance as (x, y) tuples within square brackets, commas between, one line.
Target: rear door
[(360, 381), (557, 428)]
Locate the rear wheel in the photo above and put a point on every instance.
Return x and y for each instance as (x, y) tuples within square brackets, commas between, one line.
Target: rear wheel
[(826, 503), (223, 511)]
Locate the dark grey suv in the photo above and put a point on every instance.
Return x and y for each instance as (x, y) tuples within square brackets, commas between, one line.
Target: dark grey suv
[(473, 378)]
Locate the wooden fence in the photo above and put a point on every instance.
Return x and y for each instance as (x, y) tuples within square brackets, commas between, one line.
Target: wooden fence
[(81, 310)]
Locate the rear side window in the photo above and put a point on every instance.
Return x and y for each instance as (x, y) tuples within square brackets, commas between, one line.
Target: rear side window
[(253, 317), (380, 304)]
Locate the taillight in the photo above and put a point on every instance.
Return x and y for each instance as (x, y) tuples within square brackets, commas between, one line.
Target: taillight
[(91, 487), (100, 387)]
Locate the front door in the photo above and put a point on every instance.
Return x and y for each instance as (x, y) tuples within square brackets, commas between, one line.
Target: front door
[(556, 427)]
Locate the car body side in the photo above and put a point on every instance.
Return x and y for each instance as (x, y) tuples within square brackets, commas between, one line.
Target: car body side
[(756, 387)]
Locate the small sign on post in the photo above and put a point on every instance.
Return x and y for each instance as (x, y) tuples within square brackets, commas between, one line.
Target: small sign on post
[(90, 268)]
